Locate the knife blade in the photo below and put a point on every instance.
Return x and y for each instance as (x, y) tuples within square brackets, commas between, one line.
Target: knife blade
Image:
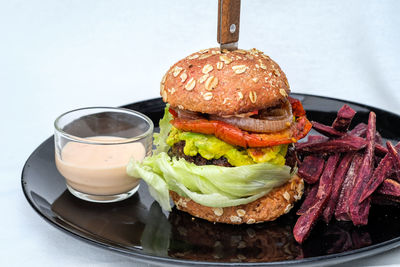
[(228, 24)]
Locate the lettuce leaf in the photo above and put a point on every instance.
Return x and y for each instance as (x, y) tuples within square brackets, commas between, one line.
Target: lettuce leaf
[(208, 185), (165, 127)]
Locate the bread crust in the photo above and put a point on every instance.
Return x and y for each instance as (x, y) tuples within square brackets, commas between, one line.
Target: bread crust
[(224, 83), (267, 208)]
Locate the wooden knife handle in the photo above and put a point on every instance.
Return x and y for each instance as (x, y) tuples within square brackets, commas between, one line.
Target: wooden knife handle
[(228, 21)]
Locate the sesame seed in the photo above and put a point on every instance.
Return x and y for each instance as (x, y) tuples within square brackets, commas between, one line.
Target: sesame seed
[(183, 77), (194, 56), (203, 78), (235, 219), (241, 212), (225, 59), (190, 84), (238, 69), (251, 221), (218, 211), (253, 97), (208, 96), (204, 56), (211, 83), (288, 208), (177, 70), (286, 196), (207, 68)]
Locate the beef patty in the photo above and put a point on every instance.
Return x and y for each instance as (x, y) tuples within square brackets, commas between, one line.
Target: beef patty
[(177, 151)]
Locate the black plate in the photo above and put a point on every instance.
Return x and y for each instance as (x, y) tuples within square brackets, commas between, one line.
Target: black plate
[(139, 228)]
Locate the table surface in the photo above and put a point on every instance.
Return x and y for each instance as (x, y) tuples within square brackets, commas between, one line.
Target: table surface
[(60, 55)]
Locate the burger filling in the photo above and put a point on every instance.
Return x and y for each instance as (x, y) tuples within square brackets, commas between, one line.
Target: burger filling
[(280, 125), (214, 163), (203, 149)]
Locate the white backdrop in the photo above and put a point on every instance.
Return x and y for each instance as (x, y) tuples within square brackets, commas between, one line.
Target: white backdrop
[(60, 55)]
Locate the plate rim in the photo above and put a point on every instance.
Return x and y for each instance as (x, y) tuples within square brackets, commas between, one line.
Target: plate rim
[(148, 258)]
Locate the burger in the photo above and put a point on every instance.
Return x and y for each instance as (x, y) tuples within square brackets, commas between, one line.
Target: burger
[(224, 152)]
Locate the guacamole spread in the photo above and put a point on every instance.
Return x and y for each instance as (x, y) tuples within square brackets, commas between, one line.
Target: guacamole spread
[(210, 147)]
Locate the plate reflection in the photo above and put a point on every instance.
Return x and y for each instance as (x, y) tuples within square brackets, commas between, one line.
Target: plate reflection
[(134, 226)]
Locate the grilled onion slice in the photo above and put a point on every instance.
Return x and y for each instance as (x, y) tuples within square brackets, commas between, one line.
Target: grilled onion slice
[(267, 121)]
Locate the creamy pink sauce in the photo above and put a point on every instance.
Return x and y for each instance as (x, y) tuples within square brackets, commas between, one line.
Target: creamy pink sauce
[(99, 169)]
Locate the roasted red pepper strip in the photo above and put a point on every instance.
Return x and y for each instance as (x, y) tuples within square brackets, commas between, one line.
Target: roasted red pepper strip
[(235, 136), (230, 134), (255, 112), (173, 112), (297, 107)]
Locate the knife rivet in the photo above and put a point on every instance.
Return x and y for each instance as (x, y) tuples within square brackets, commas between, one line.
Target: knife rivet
[(232, 28)]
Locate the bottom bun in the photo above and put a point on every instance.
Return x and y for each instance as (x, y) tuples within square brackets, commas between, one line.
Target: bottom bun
[(267, 208)]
